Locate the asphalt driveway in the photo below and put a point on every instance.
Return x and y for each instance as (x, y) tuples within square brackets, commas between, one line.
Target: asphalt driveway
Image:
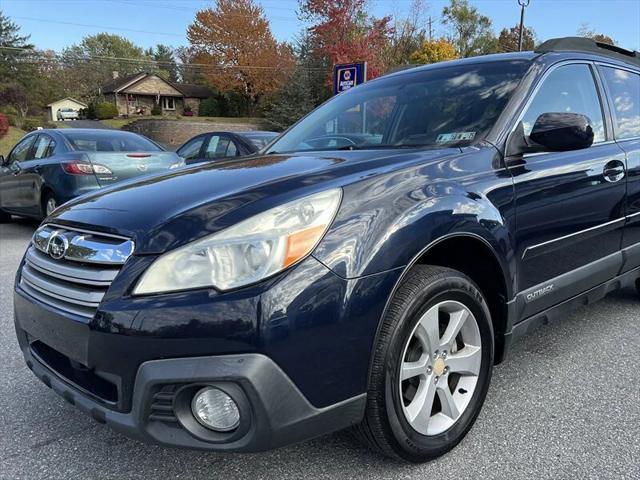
[(566, 404)]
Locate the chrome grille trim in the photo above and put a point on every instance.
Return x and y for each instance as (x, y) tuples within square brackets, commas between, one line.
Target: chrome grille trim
[(85, 247), (77, 281)]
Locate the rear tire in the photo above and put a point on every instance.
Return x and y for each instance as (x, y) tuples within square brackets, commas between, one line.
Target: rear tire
[(431, 366), (49, 204)]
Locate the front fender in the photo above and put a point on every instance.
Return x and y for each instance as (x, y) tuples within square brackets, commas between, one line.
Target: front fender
[(389, 222)]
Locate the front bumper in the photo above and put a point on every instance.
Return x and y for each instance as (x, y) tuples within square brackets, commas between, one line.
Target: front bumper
[(275, 413), (295, 349)]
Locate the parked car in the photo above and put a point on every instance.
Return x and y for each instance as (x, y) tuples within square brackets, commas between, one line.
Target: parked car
[(50, 167), (333, 282), (67, 114), (217, 145)]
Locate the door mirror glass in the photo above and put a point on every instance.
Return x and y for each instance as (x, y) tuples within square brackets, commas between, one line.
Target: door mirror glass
[(560, 132)]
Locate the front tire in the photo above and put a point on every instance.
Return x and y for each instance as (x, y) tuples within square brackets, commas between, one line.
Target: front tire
[(431, 366)]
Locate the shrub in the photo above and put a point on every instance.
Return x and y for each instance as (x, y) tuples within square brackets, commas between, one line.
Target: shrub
[(209, 108), (4, 125), (91, 111), (106, 110), (12, 119), (156, 110), (31, 124)]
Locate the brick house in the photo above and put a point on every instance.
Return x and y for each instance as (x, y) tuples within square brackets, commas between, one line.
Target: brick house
[(137, 94)]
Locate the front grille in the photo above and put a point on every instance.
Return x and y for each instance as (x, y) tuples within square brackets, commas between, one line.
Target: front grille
[(73, 275)]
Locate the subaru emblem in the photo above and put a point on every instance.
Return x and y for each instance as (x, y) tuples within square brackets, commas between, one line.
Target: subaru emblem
[(58, 245)]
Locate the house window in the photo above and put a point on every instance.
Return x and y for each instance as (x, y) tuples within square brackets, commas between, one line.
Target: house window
[(168, 103)]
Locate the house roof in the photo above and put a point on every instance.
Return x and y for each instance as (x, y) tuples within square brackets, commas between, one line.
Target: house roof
[(194, 91), (188, 90), (68, 98), (119, 83)]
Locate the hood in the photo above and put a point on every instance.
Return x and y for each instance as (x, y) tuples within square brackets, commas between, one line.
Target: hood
[(162, 212)]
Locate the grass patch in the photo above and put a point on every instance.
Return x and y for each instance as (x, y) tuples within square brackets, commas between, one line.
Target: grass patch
[(121, 122), (10, 139)]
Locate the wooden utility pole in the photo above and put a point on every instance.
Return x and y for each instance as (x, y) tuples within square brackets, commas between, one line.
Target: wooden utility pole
[(430, 23)]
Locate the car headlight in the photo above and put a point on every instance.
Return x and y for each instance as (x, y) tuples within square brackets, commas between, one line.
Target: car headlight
[(247, 252)]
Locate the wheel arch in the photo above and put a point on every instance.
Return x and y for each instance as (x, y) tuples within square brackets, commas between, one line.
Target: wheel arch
[(496, 287)]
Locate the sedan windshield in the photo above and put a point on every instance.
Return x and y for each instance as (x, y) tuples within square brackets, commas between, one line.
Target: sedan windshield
[(443, 106)]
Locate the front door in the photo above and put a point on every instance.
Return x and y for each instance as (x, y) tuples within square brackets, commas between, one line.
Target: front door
[(12, 195), (569, 205)]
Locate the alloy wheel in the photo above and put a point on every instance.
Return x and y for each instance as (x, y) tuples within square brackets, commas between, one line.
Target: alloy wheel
[(51, 205), (440, 366)]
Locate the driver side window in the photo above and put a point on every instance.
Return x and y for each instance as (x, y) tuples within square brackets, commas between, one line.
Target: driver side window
[(21, 151), (567, 89)]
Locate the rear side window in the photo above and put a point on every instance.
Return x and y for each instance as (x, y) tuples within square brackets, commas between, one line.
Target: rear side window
[(43, 147), (624, 88), (219, 147), (569, 89)]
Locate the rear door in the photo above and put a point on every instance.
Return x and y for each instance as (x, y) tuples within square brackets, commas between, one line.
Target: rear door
[(570, 209), (623, 92), (12, 197)]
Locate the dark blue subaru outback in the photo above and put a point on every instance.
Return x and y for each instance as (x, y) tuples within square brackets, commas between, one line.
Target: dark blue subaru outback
[(367, 270)]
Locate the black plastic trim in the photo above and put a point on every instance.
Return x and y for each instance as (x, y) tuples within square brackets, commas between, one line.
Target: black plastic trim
[(280, 414)]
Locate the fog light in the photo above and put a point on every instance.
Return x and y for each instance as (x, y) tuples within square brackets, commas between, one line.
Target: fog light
[(215, 410)]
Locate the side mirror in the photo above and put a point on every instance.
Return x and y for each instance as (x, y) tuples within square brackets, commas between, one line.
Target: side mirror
[(2, 160), (561, 132)]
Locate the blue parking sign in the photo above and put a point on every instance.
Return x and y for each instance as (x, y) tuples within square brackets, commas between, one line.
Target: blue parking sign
[(348, 75)]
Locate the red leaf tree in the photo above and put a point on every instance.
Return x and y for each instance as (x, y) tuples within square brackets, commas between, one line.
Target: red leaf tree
[(343, 32)]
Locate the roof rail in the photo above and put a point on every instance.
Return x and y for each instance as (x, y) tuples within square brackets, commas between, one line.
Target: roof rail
[(582, 44)]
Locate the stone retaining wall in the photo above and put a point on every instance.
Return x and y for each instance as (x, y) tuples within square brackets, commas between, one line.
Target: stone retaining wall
[(176, 132)]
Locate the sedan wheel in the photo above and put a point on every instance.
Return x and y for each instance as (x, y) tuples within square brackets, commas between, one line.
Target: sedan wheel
[(50, 204)]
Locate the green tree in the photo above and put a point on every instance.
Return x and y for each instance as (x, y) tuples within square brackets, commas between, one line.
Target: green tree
[(292, 102), (471, 31), (165, 60), (509, 37), (12, 50), (92, 63)]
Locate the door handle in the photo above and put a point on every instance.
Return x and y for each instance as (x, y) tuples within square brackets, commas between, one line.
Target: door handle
[(614, 171)]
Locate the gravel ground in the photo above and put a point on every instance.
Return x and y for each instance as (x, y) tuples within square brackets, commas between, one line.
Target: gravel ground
[(564, 405)]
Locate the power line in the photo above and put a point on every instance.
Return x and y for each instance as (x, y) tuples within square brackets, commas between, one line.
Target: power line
[(70, 58)]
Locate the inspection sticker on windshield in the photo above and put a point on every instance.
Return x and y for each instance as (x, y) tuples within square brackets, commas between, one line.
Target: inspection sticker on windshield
[(455, 137)]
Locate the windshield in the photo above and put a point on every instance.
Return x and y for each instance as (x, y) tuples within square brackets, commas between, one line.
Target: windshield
[(109, 141), (447, 106)]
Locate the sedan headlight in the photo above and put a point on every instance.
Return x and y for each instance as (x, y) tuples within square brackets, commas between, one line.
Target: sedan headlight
[(247, 252)]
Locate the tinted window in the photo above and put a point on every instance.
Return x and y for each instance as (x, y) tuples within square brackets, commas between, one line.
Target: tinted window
[(191, 150), (109, 141), (624, 88), (568, 89), (219, 147), (43, 147), (448, 106), (21, 150)]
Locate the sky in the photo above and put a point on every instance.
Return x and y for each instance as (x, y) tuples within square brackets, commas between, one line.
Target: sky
[(55, 24)]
